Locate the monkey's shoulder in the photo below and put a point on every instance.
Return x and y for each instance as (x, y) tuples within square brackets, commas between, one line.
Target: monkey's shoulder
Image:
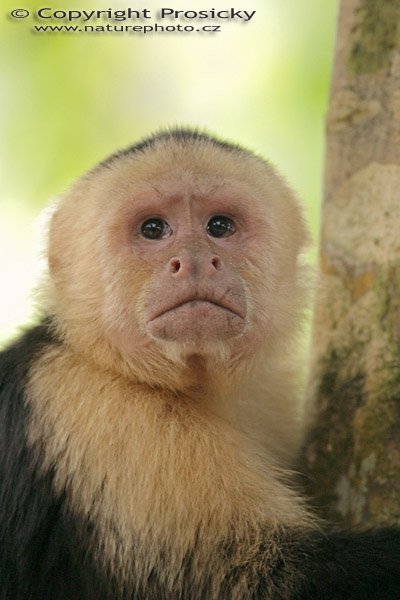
[(15, 362), (18, 356), (43, 545), (344, 564)]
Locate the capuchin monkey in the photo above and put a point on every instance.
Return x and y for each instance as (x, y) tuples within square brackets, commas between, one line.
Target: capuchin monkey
[(147, 424)]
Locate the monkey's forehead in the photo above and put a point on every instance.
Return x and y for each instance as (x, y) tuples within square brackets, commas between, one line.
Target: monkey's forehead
[(196, 159), (178, 139)]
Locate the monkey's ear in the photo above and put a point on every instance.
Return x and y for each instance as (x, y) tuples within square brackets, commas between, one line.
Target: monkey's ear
[(297, 228), (55, 237), (63, 234)]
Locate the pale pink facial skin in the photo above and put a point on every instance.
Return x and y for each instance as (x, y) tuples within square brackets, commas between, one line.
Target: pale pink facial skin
[(195, 295)]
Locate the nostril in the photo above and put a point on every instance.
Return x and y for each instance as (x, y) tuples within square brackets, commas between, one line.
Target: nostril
[(175, 265), (216, 263)]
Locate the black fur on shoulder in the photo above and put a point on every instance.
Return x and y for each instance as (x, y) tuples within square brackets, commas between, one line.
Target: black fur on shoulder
[(41, 553), (348, 565)]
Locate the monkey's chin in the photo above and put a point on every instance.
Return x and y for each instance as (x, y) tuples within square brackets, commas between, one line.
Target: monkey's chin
[(197, 322)]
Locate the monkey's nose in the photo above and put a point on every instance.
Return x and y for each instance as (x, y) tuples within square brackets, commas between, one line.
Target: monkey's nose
[(187, 266)]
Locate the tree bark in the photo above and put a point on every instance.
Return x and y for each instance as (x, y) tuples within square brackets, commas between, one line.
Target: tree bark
[(353, 453)]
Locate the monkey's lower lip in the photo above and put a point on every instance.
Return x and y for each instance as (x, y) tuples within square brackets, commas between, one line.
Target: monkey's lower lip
[(198, 303)]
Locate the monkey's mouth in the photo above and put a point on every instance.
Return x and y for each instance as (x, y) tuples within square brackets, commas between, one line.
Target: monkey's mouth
[(201, 305), (193, 316)]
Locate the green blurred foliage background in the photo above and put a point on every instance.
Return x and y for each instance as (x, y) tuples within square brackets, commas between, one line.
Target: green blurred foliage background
[(68, 100)]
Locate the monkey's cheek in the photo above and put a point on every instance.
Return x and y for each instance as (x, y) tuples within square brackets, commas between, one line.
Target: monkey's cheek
[(190, 323)]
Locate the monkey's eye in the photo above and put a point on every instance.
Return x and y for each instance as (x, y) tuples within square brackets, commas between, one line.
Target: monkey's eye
[(155, 229), (220, 226)]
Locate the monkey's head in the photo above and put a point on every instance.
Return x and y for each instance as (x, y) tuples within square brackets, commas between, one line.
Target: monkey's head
[(180, 246)]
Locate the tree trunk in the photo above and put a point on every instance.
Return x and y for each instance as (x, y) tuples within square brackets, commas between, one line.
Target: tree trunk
[(353, 454)]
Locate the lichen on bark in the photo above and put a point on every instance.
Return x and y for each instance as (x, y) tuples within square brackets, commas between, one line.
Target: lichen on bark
[(376, 34), (353, 453), (330, 446)]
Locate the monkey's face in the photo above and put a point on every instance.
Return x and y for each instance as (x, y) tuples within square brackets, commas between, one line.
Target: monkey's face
[(194, 293), (184, 273), (189, 248)]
